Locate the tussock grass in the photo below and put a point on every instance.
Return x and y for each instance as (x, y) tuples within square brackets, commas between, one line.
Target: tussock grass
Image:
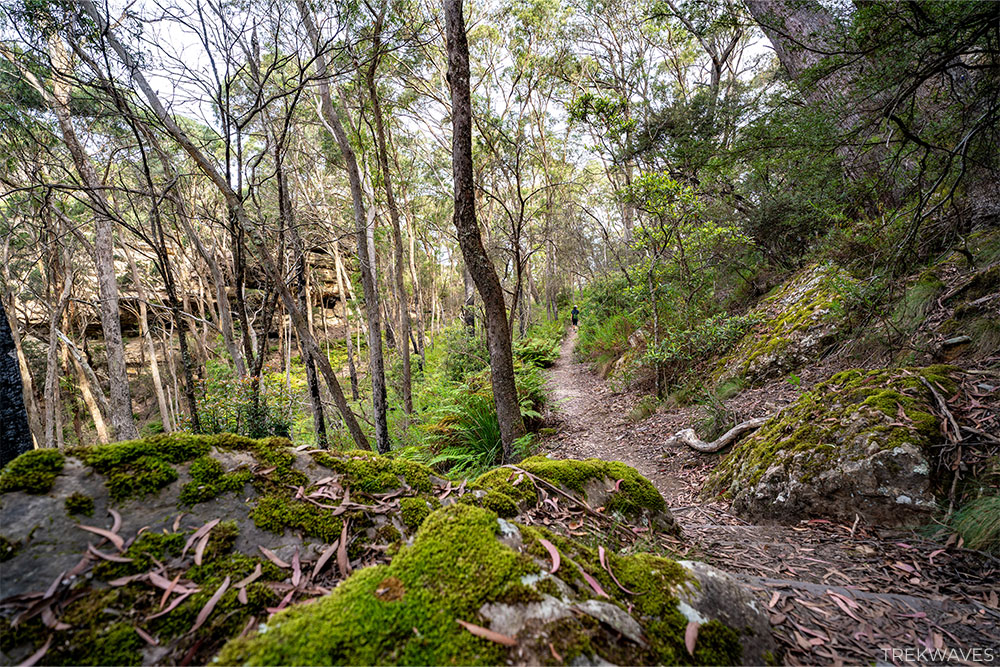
[(978, 522)]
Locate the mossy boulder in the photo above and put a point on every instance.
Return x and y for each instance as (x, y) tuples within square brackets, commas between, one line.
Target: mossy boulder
[(155, 493), (858, 443), (468, 570), (256, 525), (611, 486), (797, 322)]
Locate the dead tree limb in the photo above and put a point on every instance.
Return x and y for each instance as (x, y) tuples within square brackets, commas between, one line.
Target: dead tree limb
[(691, 439)]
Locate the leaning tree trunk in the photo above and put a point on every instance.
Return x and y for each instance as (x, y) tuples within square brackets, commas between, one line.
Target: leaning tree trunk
[(376, 363), (341, 276), (121, 397), (15, 435), (402, 299), (480, 266), (235, 205), (298, 247), (147, 338)]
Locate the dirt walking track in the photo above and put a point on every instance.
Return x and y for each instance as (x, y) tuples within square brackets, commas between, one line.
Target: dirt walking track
[(836, 593)]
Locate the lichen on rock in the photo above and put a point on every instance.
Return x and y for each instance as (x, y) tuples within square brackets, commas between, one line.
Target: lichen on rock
[(857, 443)]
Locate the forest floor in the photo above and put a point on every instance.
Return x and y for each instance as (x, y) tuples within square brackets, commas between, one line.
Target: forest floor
[(835, 593)]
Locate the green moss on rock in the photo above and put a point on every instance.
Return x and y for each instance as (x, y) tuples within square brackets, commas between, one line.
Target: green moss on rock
[(857, 422), (406, 612), (635, 493), (8, 548), (209, 480), (369, 472), (277, 513), (520, 489), (499, 503), (80, 503), (146, 549), (136, 468), (454, 565), (795, 323), (413, 511), (32, 472)]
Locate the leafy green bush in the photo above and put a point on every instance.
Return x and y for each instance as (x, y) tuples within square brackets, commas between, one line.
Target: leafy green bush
[(461, 353), (712, 336), (604, 340)]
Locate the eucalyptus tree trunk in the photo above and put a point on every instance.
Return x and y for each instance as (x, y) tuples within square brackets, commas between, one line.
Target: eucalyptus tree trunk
[(480, 266), (418, 296), (298, 247), (15, 434), (147, 339), (402, 299), (52, 403), (235, 207), (341, 279), (208, 255), (120, 396), (89, 390), (88, 379), (363, 228)]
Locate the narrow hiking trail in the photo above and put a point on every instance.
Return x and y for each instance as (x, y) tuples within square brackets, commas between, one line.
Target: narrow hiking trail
[(835, 593)]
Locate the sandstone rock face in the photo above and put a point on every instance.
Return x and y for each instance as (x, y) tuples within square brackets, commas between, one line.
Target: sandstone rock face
[(800, 320), (858, 443), (161, 550)]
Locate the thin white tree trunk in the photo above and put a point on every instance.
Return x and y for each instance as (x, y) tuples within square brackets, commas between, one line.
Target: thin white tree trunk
[(147, 337), (52, 403)]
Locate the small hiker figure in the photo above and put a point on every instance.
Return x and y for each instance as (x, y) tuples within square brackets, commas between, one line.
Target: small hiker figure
[(576, 315)]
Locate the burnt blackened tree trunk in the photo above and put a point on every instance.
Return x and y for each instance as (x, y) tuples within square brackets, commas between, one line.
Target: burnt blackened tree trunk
[(480, 266), (15, 436)]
